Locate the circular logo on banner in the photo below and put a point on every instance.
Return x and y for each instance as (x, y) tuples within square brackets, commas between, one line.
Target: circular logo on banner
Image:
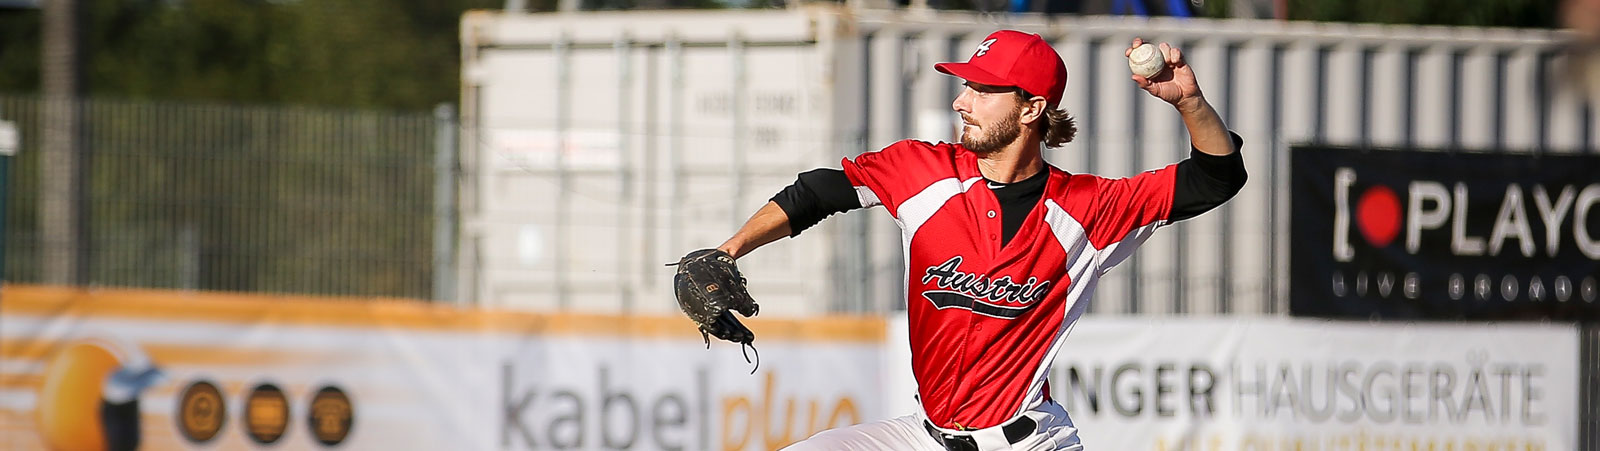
[(1378, 215), (266, 414), (201, 412), (331, 416)]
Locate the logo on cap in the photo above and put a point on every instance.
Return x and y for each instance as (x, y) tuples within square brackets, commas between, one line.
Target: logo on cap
[(1025, 61), (984, 48)]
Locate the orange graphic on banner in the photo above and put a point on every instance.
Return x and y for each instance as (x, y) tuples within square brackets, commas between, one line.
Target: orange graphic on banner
[(777, 429), (88, 396), (70, 394)]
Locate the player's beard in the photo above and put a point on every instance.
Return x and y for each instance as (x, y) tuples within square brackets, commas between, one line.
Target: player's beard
[(996, 136)]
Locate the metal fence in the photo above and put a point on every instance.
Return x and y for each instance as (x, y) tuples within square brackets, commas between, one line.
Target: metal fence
[(645, 134), (237, 198)]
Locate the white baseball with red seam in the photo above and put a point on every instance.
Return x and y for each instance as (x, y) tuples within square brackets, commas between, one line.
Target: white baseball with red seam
[(1146, 60)]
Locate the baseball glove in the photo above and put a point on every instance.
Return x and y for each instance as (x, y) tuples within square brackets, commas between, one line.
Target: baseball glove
[(709, 288)]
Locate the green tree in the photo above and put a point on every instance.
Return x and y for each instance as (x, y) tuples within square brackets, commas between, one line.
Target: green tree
[(20, 35), (345, 53)]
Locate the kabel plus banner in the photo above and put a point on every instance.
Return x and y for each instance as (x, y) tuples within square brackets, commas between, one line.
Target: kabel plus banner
[(1444, 235), (96, 369)]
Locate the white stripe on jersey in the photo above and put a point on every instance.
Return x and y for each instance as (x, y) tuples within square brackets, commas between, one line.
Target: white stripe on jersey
[(867, 197), (916, 211), (1075, 241), (919, 208), (1120, 250)]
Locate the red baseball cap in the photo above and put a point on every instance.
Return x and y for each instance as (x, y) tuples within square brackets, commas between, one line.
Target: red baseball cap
[(1014, 58)]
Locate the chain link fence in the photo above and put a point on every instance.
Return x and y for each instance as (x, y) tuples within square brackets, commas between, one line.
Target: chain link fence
[(233, 198)]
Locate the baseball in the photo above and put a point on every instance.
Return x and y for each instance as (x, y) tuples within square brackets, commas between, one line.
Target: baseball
[(1146, 60)]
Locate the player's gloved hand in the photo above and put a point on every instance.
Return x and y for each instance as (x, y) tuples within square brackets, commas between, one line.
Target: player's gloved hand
[(708, 287)]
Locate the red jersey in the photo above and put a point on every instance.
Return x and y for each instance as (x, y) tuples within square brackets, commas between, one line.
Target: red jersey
[(986, 321)]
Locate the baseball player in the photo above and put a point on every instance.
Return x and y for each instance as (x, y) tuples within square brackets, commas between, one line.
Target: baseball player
[(1002, 249)]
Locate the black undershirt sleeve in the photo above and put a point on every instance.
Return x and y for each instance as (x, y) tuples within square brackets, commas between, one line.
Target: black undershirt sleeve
[(816, 194), (1205, 181)]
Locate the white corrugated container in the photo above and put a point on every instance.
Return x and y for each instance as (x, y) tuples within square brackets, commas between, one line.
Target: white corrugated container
[(599, 145)]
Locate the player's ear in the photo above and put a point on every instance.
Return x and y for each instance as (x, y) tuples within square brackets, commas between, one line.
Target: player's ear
[(1033, 110)]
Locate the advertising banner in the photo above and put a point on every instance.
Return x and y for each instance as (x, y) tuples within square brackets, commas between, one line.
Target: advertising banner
[(1444, 235), (181, 370), (1134, 384)]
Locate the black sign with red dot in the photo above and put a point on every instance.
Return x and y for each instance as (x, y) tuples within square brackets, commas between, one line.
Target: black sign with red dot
[(1412, 234)]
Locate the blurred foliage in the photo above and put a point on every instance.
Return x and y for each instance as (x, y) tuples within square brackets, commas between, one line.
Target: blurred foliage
[(403, 54), (348, 53)]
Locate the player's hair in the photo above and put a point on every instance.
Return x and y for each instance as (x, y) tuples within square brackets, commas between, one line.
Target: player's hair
[(1058, 128)]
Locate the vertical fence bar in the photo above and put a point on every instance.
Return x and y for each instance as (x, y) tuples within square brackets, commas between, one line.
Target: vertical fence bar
[(736, 103), (624, 51), (59, 218), (1089, 131), (885, 85), (1226, 257), (858, 239), (676, 102), (1133, 266), (444, 202), (563, 56), (9, 143), (649, 232), (1276, 293), (1588, 392)]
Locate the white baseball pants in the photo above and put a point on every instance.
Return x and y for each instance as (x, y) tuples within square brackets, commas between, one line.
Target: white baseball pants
[(908, 433)]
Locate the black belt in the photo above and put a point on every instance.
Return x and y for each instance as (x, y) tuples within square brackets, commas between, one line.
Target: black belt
[(1015, 431)]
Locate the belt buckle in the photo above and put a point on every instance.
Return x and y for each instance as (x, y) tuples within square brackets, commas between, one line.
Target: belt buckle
[(1014, 430), (959, 442), (953, 442)]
